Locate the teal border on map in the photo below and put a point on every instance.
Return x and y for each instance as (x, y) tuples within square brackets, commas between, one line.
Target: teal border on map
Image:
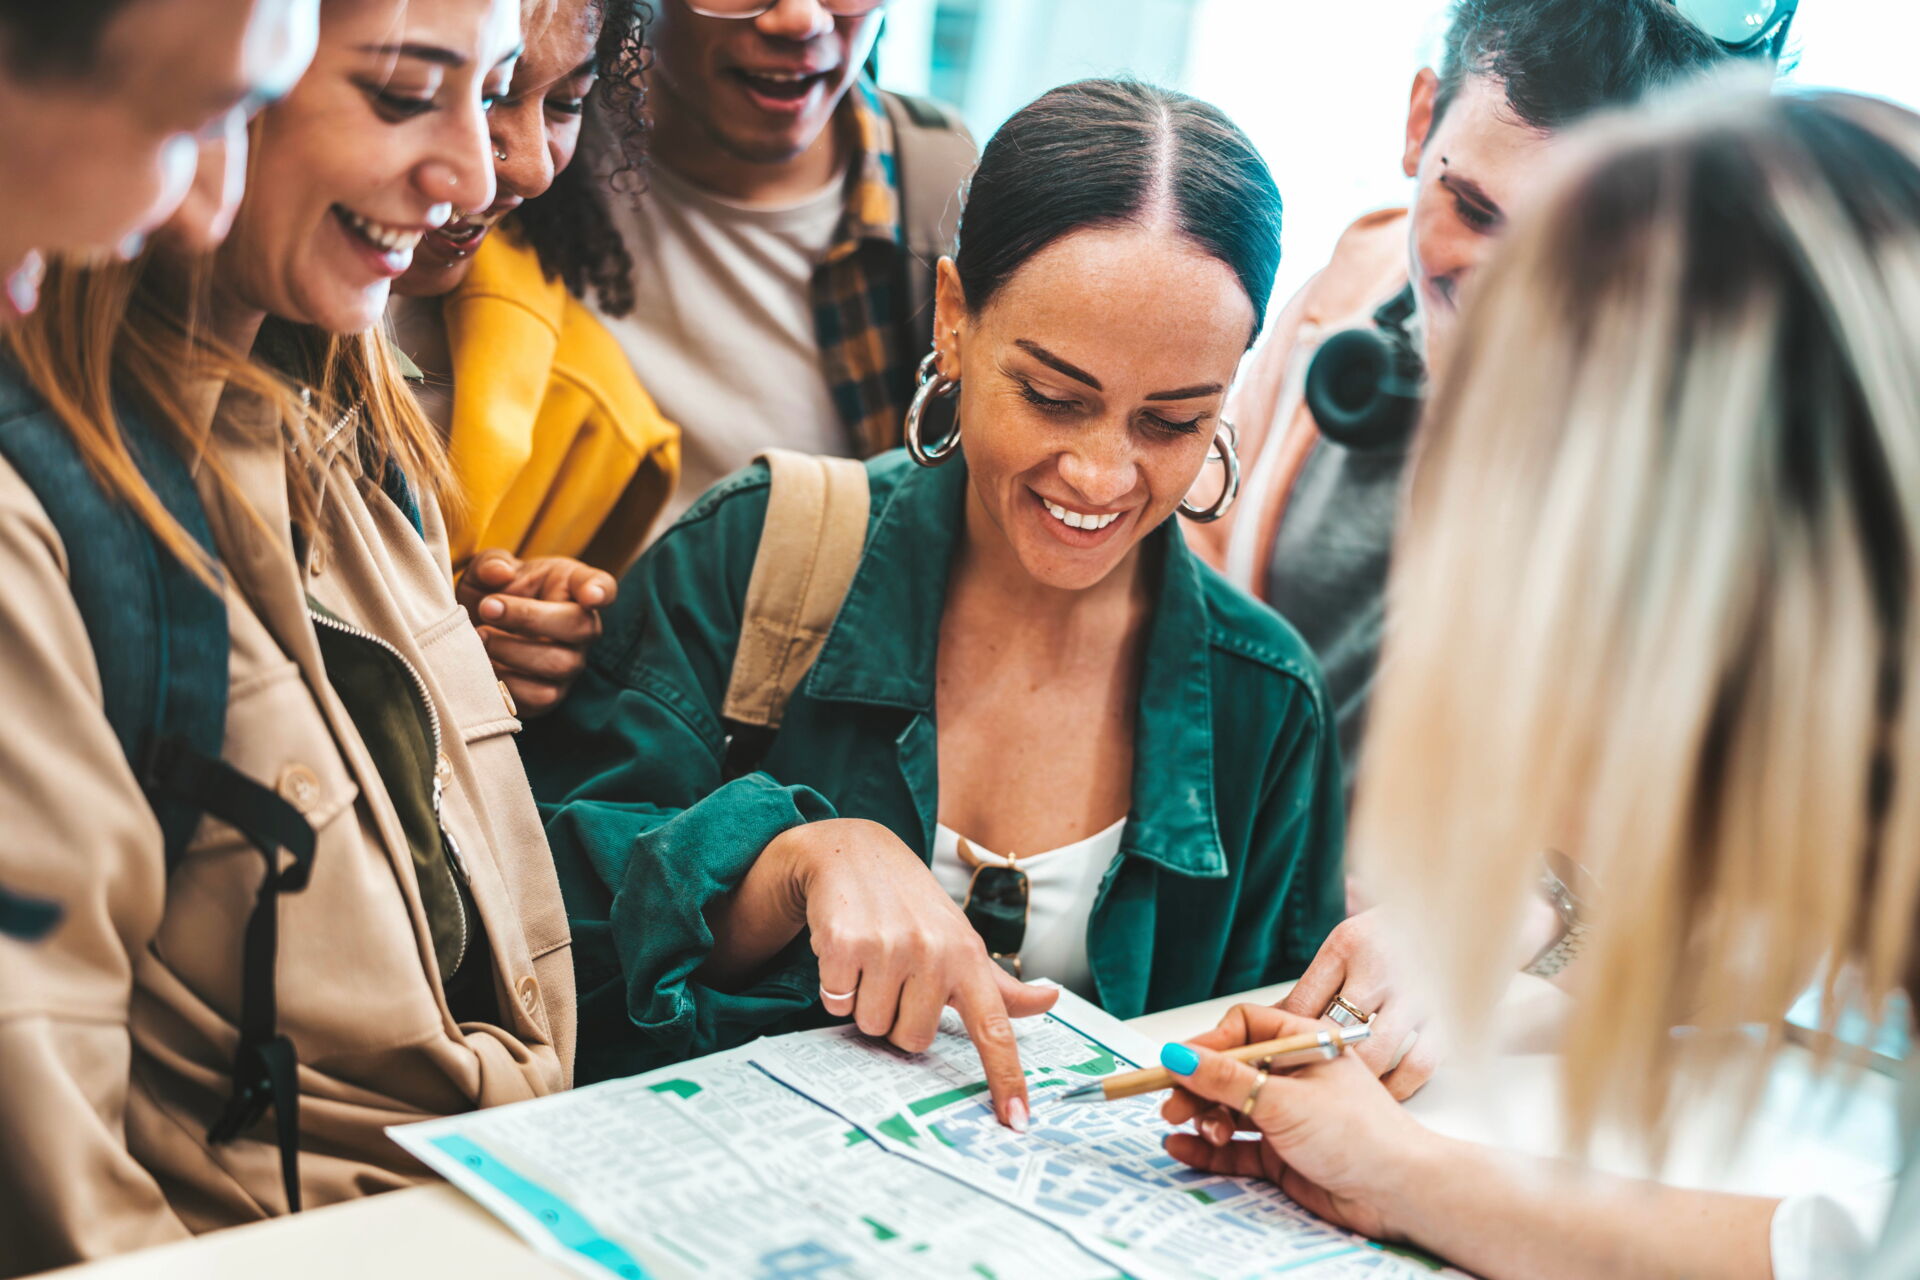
[(1093, 1039), (565, 1223)]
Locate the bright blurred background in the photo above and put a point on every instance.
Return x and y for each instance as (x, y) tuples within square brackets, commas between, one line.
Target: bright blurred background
[(1320, 85)]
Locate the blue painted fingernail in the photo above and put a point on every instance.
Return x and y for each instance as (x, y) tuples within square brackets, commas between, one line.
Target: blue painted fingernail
[(1179, 1059)]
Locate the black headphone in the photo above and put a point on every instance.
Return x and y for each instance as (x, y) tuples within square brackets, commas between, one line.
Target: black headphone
[(1365, 386)]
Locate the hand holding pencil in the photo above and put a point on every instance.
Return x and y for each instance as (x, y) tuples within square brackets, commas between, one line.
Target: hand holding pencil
[(1329, 1133), (1267, 1055)]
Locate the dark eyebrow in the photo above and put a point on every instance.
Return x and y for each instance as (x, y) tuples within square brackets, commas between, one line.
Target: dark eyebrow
[(433, 53), (1186, 393), (1468, 189), (1047, 357)]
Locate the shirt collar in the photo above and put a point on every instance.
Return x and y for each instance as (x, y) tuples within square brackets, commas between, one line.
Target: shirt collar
[(873, 182), (883, 647)]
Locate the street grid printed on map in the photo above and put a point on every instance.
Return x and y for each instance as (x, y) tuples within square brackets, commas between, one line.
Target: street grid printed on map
[(1099, 1171), (827, 1154)]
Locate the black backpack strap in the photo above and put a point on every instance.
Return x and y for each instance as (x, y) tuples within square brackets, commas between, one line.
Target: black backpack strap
[(28, 919), (265, 1072), (160, 639)]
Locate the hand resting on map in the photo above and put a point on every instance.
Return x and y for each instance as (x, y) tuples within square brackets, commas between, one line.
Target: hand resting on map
[(894, 950)]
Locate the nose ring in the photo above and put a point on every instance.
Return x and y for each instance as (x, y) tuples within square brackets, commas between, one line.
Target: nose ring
[(499, 153)]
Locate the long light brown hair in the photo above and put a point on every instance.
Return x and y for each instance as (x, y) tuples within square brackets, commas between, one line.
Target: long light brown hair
[(1651, 605), (107, 336), (111, 336)]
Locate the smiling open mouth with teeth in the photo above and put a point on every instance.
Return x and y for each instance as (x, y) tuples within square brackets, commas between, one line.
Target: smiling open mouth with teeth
[(463, 235), (387, 239), (1077, 519), (785, 85)]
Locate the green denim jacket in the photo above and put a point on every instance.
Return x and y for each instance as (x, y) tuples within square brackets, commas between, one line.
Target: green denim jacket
[(1229, 875)]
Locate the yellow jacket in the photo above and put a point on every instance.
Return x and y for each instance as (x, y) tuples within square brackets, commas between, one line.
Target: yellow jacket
[(556, 448)]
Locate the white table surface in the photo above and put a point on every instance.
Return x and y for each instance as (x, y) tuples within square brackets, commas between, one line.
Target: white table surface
[(1804, 1138)]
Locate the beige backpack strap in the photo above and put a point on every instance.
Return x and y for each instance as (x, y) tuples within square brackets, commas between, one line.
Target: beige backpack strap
[(809, 549)]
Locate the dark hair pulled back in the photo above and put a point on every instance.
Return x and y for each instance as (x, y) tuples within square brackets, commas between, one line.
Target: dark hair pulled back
[(1107, 153)]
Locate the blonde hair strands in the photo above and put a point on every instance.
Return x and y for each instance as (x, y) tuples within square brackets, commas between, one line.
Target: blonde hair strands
[(1650, 605)]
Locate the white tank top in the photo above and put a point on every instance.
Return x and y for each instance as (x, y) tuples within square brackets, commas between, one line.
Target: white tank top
[(1062, 884)]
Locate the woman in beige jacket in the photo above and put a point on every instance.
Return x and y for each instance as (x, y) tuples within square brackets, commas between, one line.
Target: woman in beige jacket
[(424, 967)]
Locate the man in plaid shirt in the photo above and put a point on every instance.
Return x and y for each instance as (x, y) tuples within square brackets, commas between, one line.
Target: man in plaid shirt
[(785, 239)]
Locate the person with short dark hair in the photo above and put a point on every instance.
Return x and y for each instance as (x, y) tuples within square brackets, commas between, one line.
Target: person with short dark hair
[(1313, 535), (1031, 684), (783, 244), (1315, 531)]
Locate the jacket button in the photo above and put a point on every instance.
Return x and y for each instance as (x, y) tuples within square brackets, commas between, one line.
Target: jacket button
[(506, 696), (529, 994), (300, 787)]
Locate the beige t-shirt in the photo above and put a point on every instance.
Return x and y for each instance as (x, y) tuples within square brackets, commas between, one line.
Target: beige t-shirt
[(722, 331)]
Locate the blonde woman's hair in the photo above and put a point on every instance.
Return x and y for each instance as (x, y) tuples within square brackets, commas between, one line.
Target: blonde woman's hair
[(1651, 605)]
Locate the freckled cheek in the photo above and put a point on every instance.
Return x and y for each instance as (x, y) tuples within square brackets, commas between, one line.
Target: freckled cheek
[(1009, 446), (1175, 467)]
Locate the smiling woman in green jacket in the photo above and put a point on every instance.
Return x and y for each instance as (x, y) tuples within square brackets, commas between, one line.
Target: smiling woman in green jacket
[(1037, 717)]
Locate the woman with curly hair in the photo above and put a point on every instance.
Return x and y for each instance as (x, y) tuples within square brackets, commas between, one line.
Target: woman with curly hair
[(561, 460)]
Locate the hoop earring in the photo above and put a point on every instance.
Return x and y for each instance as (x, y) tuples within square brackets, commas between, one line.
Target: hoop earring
[(931, 385), (1224, 441)]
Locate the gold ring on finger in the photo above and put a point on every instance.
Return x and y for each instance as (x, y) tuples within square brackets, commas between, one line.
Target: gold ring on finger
[(1345, 1013), (1253, 1094)]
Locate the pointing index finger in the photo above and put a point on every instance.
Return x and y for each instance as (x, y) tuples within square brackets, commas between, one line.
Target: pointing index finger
[(991, 1030)]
